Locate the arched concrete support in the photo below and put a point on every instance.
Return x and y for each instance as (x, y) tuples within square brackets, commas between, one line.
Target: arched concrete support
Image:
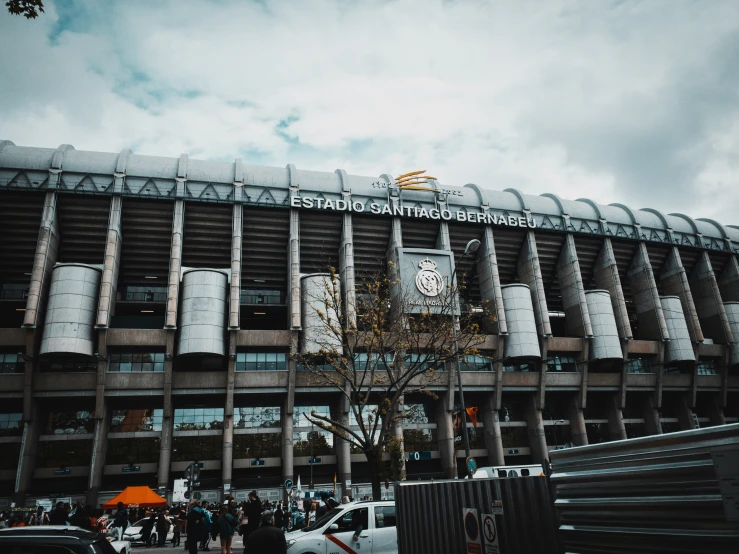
[(346, 271), (228, 417), (708, 303), (675, 282), (27, 456), (47, 250), (578, 431), (616, 425), (728, 282), (445, 434), (651, 417), (535, 425), (489, 278), (646, 297), (607, 278), (175, 264), (99, 450), (571, 286), (716, 412), (111, 265), (685, 413), (529, 270), (493, 437), (234, 311)]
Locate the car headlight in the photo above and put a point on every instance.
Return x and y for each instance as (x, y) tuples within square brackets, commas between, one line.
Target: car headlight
[(291, 542)]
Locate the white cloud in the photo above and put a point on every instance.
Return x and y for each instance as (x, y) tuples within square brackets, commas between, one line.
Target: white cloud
[(627, 101)]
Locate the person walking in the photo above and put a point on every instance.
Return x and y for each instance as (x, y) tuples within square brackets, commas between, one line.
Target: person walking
[(80, 517), (267, 538), (177, 521), (40, 517), (224, 526), (280, 517), (252, 511), (163, 523), (120, 521), (59, 515), (194, 526)]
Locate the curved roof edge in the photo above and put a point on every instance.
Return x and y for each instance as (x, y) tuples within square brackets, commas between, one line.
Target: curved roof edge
[(181, 168)]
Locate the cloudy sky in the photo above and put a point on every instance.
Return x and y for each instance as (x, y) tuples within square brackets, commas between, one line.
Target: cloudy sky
[(620, 101)]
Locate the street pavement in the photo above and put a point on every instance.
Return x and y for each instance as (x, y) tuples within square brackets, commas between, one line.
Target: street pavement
[(215, 547)]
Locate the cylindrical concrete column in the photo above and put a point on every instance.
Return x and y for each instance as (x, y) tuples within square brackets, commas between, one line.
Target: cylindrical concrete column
[(616, 425), (445, 435), (319, 297), (70, 316), (165, 452), (493, 438), (535, 426), (679, 348), (732, 314), (203, 312), (578, 431), (522, 340), (288, 470), (343, 453), (99, 450), (606, 344)]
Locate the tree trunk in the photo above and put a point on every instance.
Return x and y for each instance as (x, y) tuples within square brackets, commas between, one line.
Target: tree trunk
[(375, 463)]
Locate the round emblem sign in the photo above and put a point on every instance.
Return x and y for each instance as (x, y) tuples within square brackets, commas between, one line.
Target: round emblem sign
[(428, 280)]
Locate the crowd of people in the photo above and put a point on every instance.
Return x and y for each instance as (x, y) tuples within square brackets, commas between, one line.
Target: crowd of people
[(262, 524)]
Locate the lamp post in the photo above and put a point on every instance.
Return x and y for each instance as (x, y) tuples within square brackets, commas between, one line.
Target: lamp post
[(471, 248)]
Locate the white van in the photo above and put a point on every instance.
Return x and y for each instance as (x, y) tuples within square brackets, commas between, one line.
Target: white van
[(334, 532)]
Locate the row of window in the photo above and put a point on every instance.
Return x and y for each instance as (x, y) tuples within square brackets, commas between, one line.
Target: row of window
[(11, 363), (143, 293), (136, 362)]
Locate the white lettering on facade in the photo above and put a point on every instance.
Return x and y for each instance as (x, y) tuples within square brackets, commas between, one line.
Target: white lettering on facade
[(307, 202)]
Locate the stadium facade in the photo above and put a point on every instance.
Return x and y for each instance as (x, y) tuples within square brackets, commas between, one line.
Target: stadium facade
[(149, 307)]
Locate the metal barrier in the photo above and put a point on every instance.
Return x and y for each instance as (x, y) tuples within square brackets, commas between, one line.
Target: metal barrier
[(652, 494), (430, 514)]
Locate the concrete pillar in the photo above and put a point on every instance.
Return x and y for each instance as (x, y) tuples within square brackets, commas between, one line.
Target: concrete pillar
[(493, 437), (716, 412), (607, 278), (175, 264), (578, 432), (445, 434), (165, 443), (27, 457), (616, 425), (685, 413), (47, 249), (394, 242), (646, 297), (728, 282), (651, 417), (111, 264), (346, 271), (293, 258), (235, 299), (228, 417), (535, 425), (99, 450), (288, 470), (529, 271), (708, 302), (343, 450), (675, 282), (489, 279), (571, 286)]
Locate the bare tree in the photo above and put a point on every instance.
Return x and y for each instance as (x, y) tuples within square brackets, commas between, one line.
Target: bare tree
[(376, 350)]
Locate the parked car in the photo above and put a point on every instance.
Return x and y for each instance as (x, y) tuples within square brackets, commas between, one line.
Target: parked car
[(49, 538), (531, 470), (121, 547), (135, 533), (336, 529)]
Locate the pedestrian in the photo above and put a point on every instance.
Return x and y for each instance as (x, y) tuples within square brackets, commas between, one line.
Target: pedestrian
[(267, 538), (80, 517), (163, 523), (194, 525), (253, 511), (279, 517), (177, 521), (40, 517), (224, 526), (207, 527), (59, 515)]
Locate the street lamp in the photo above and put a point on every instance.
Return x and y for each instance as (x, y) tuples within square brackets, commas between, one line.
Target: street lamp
[(471, 248)]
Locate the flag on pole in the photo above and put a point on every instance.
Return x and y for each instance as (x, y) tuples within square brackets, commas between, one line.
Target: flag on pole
[(299, 487)]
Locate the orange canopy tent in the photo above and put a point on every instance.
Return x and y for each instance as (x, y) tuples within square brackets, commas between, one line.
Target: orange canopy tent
[(136, 496)]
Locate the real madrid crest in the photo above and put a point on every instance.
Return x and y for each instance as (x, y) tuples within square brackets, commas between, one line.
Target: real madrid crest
[(428, 280)]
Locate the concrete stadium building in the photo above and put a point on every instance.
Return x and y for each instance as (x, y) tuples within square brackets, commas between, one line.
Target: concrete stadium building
[(149, 307)]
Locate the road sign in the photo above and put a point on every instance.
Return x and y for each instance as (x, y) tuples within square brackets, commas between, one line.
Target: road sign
[(490, 534), (288, 484), (498, 507), (472, 531), (197, 495), (187, 495), (257, 462), (420, 455), (314, 460), (471, 464), (192, 472)]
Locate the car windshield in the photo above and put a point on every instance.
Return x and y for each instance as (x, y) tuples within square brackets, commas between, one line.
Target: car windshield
[(142, 522), (323, 521)]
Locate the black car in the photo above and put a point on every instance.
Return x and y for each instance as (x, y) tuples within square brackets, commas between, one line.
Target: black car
[(53, 539)]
